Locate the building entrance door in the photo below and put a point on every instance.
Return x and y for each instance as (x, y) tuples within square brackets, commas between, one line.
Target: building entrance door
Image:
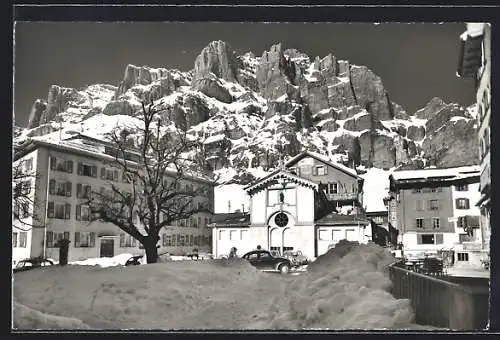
[(107, 247)]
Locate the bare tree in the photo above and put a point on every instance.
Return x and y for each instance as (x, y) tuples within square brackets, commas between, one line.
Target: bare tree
[(23, 204), (157, 182)]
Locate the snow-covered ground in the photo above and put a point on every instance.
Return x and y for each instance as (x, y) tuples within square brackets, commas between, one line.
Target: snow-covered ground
[(342, 290)]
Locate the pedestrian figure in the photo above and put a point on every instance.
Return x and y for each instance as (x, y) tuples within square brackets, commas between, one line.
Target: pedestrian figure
[(232, 253)]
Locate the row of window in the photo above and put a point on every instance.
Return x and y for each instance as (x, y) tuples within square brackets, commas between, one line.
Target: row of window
[(436, 223), (460, 203), (233, 235), (431, 205), (317, 170), (105, 173), (458, 187), (63, 211), (19, 239), (427, 190), (181, 240), (338, 234), (338, 188)]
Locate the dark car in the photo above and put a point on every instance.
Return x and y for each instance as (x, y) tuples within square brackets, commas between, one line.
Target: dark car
[(134, 260), (28, 264), (263, 260)]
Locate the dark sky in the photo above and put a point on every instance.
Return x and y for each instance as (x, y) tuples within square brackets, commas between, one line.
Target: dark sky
[(415, 61)]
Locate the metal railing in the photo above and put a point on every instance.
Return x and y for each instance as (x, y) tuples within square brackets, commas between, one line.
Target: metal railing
[(345, 196), (447, 302)]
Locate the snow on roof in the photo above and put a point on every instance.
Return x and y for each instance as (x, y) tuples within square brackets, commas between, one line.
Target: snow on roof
[(375, 188), (323, 158), (230, 197), (262, 182), (435, 172)]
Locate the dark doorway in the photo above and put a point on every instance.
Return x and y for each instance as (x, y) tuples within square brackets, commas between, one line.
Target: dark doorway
[(107, 247)]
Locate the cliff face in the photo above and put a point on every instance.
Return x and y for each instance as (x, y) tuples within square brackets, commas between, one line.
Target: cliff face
[(277, 104)]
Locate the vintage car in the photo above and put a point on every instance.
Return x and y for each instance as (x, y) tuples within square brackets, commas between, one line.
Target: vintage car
[(265, 261), (32, 263)]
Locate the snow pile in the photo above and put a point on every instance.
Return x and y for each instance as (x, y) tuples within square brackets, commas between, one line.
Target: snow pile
[(346, 288), (104, 262), (28, 318)]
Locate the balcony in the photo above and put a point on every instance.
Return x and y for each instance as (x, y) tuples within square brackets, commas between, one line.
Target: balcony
[(471, 246), (342, 197)]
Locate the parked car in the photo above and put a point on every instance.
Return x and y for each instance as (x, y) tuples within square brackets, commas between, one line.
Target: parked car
[(264, 260), (296, 258), (134, 260), (32, 263)]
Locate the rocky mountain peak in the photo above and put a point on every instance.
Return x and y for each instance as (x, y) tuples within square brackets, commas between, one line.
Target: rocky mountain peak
[(433, 106), (248, 110), (217, 58)]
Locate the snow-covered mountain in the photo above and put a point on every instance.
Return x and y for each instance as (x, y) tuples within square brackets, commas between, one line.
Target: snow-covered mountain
[(249, 112)]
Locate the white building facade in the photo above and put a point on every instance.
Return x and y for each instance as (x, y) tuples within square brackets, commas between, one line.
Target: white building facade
[(434, 212), (475, 62), (289, 212), (67, 172)]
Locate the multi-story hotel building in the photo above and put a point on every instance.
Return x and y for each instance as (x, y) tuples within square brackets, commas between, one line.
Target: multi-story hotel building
[(475, 62), (433, 211), (67, 172)]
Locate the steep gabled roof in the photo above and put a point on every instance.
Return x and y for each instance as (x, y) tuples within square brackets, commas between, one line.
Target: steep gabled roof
[(325, 160), (339, 219), (235, 219), (278, 174)]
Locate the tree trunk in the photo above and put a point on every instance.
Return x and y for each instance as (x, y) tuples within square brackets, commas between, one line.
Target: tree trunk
[(151, 250)]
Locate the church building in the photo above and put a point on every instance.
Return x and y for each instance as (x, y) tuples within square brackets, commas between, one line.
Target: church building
[(307, 205)]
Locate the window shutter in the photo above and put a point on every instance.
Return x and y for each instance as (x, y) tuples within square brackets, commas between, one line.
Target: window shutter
[(92, 240), (457, 200), (53, 163), (52, 186), (122, 240), (115, 175), (88, 191), (66, 235), (77, 239), (438, 238), (94, 171), (68, 188), (67, 211), (326, 169), (314, 171), (78, 212), (103, 173), (69, 166), (49, 236), (467, 203), (50, 209), (80, 168), (79, 190), (419, 239)]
